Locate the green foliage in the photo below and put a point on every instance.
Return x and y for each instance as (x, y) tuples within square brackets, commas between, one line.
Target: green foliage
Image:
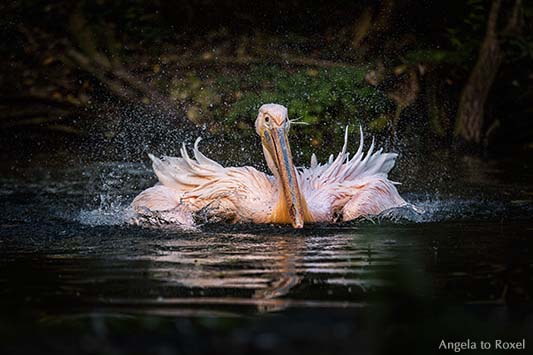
[(326, 99), (435, 56), (464, 38), (334, 95)]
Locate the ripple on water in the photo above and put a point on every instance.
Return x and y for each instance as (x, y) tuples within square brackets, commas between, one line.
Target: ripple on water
[(95, 255)]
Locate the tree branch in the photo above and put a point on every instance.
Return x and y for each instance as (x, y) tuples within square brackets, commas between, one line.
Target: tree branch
[(492, 22), (514, 22)]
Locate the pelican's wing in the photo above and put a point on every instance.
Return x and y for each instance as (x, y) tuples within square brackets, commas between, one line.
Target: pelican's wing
[(328, 187), (185, 174), (240, 193), (341, 169)]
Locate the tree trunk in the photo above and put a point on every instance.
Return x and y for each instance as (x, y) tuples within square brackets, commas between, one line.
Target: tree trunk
[(471, 112)]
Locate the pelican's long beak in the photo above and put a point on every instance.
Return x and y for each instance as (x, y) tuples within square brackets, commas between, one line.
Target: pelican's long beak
[(276, 142)]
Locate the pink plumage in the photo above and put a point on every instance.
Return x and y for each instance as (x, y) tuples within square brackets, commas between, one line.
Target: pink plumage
[(342, 188)]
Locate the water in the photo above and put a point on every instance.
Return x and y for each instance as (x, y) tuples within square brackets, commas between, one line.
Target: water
[(76, 278)]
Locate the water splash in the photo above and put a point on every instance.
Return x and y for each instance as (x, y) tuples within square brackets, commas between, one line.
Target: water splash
[(116, 210), (430, 210), (111, 211), (115, 184)]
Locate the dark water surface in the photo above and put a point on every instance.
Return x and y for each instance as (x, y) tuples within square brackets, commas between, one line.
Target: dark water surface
[(75, 278)]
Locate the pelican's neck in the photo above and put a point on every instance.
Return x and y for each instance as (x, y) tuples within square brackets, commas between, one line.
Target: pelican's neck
[(281, 212)]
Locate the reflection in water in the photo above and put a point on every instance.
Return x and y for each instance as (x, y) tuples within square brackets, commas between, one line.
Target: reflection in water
[(269, 267), (51, 254), (71, 269), (285, 276)]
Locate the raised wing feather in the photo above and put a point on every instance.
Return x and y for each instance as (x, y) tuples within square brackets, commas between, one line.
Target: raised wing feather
[(328, 187), (342, 168), (201, 183)]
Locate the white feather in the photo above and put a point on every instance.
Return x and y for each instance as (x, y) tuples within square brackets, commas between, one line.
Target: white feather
[(235, 192), (329, 186), (359, 166)]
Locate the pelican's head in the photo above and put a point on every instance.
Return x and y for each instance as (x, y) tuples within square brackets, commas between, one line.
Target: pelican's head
[(271, 115), (273, 125)]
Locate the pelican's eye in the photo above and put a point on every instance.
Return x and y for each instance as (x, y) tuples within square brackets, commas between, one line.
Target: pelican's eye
[(267, 118)]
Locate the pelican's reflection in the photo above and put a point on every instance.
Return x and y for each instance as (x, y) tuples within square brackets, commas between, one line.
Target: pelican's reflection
[(251, 269), (285, 271), (266, 266)]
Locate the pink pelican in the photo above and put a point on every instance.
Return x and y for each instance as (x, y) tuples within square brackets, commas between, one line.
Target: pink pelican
[(341, 189)]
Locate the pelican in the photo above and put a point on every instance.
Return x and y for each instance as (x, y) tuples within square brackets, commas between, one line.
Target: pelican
[(342, 189)]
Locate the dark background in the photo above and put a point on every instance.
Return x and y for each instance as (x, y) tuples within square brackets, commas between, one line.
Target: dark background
[(116, 79)]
